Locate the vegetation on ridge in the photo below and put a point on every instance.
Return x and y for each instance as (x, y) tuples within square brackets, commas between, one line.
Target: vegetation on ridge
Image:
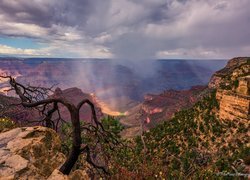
[(195, 143)]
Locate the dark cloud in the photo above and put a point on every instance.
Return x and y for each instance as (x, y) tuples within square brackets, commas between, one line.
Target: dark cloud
[(27, 12), (131, 29), (48, 12)]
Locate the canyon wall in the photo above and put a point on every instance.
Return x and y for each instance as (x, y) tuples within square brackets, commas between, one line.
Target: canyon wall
[(233, 84), (233, 106)]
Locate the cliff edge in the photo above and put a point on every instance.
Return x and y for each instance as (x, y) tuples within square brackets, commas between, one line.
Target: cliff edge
[(227, 77), (233, 89)]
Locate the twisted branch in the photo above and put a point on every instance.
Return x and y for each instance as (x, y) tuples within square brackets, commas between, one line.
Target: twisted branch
[(38, 98)]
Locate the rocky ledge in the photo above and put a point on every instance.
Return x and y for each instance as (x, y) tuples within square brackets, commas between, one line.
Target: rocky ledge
[(32, 152), (227, 77)]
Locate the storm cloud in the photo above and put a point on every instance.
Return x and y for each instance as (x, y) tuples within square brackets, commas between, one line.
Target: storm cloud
[(128, 29)]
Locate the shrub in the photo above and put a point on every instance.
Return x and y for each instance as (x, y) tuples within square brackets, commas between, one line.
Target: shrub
[(6, 124), (113, 125)]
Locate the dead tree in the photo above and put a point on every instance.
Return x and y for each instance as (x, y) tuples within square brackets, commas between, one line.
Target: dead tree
[(38, 97)]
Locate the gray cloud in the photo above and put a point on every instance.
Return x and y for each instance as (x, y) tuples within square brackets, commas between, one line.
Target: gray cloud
[(132, 29), (48, 12)]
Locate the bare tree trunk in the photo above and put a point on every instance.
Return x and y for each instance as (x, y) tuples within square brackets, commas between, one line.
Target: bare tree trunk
[(32, 97), (75, 151)]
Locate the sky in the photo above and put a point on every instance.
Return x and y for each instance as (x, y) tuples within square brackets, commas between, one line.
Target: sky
[(125, 29)]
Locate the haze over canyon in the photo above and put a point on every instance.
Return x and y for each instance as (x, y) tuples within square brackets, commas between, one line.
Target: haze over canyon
[(121, 86)]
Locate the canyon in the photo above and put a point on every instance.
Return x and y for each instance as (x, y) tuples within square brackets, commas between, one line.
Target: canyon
[(232, 84), (115, 89), (118, 85), (25, 116), (118, 90), (205, 125), (157, 108)]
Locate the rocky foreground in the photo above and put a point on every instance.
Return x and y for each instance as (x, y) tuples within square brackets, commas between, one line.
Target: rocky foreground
[(33, 152)]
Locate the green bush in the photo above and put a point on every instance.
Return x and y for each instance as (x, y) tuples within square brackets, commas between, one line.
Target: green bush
[(6, 124), (111, 124)]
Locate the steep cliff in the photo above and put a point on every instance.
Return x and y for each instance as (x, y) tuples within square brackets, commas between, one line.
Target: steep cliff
[(233, 87), (233, 106), (17, 113)]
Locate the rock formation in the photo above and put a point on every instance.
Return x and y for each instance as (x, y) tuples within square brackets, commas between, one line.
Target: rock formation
[(75, 95), (157, 108), (32, 152), (235, 105), (18, 113), (26, 152), (228, 76), (163, 106), (23, 115), (233, 86), (244, 86)]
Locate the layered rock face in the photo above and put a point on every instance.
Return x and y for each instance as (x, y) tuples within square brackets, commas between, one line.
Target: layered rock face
[(233, 106), (233, 83)]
